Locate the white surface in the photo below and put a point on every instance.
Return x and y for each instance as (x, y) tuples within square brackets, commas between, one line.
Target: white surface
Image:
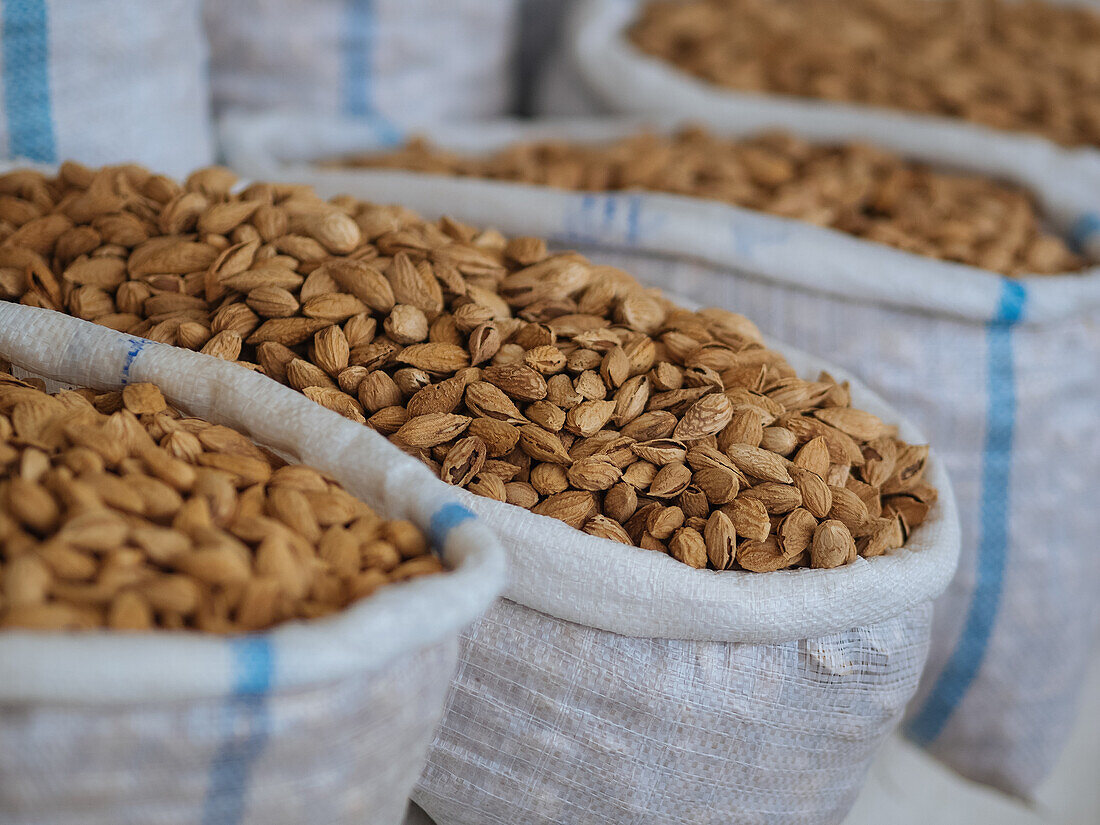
[(409, 61), (966, 385), (553, 723), (125, 80), (905, 787)]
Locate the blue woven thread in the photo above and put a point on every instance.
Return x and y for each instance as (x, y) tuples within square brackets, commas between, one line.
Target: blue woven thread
[(445, 519), (633, 217), (246, 728), (135, 346), (26, 46), (358, 81), (962, 668), (577, 220), (607, 217), (247, 723)]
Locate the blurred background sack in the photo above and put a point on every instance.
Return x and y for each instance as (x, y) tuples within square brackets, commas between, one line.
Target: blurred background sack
[(985, 66), (105, 81), (403, 61)]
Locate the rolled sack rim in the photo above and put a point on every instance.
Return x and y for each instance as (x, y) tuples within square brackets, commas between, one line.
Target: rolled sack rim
[(635, 592), (94, 667)]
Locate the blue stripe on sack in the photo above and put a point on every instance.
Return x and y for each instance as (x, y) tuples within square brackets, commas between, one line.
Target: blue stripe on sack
[(246, 728), (358, 45), (993, 545), (633, 218), (26, 47), (1083, 230), (589, 208), (578, 216), (136, 345), (445, 519), (607, 217)]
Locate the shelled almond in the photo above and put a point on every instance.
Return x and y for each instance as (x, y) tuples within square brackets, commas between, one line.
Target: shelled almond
[(855, 188), (529, 377), (117, 511), (1010, 64)]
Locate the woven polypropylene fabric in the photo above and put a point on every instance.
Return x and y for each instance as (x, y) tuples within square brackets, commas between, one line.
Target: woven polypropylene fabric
[(105, 81), (552, 722), (411, 61), (337, 753)]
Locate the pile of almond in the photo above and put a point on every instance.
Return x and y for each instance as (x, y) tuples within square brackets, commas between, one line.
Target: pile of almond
[(117, 511), (855, 188), (1010, 64), (528, 377)]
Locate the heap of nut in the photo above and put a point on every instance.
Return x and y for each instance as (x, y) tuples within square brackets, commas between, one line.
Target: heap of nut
[(528, 377), (854, 188), (1010, 64), (117, 511)]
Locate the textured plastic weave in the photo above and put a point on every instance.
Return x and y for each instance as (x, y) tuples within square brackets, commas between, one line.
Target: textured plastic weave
[(403, 61), (105, 81)]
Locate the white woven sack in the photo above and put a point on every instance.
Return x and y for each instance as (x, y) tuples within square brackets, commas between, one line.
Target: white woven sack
[(105, 81), (325, 721), (627, 79), (1004, 376), (616, 685), (408, 61)]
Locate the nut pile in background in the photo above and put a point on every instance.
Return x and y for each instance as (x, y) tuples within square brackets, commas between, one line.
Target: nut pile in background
[(116, 511), (528, 377), (1010, 64), (855, 188)]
